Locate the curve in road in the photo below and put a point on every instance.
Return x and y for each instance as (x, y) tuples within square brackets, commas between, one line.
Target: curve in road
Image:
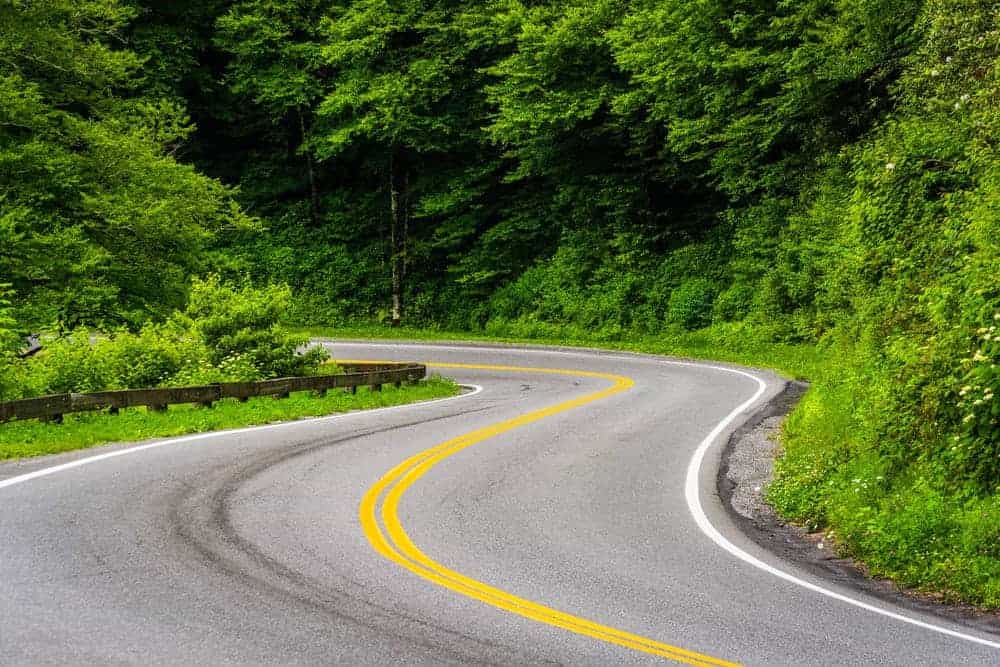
[(244, 547), (395, 544)]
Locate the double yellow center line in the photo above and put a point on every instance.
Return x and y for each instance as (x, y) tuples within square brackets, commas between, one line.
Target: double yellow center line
[(390, 539)]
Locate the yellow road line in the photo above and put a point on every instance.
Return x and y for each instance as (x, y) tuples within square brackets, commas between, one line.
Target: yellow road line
[(395, 544)]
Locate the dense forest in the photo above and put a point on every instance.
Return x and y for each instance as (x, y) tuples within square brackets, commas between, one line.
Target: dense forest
[(820, 173)]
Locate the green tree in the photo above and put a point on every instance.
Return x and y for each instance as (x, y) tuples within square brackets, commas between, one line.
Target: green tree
[(275, 64), (99, 223), (404, 102)]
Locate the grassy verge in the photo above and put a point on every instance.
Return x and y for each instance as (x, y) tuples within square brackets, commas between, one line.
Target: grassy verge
[(32, 438), (795, 361), (888, 502)]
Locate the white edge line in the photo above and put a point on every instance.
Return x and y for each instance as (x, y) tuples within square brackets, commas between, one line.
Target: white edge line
[(44, 472), (693, 496)]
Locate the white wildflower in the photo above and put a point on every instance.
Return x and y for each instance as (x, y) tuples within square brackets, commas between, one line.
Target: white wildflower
[(890, 166), (979, 356)]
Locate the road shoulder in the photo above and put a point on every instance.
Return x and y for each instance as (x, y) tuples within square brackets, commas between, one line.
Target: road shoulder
[(747, 467)]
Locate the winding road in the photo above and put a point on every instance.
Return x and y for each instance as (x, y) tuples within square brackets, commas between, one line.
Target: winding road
[(563, 512)]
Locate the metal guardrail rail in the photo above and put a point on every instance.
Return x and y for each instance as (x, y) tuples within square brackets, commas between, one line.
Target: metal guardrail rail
[(52, 408)]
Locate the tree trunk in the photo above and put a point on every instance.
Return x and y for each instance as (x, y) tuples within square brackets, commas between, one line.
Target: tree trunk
[(313, 188), (397, 234)]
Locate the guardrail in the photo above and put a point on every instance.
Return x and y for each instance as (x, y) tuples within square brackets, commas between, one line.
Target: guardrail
[(52, 408)]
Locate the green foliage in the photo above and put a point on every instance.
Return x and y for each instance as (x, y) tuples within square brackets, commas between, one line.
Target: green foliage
[(244, 324), (70, 364), (976, 450), (9, 344), (754, 90), (100, 225), (690, 305), (157, 355), (733, 303), (225, 335)]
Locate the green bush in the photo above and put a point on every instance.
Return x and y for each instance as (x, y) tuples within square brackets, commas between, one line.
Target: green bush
[(68, 364), (9, 344), (225, 335), (235, 368), (690, 305), (733, 303), (976, 447), (150, 358), (242, 324)]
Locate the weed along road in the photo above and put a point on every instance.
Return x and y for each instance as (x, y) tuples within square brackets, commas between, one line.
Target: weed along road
[(562, 512)]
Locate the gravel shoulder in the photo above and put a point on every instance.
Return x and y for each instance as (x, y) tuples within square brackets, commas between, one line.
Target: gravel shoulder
[(747, 469)]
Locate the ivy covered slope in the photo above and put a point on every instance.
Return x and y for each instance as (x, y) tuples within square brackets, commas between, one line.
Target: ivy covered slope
[(766, 181)]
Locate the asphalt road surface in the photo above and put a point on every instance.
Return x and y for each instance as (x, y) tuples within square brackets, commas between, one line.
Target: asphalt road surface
[(546, 518)]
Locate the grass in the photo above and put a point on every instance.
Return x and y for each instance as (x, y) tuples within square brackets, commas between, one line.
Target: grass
[(32, 438)]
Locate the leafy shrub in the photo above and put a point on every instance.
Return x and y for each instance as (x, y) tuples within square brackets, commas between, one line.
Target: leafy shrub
[(690, 305), (976, 448), (225, 335), (69, 364), (9, 344), (733, 303), (150, 358), (244, 323), (234, 368)]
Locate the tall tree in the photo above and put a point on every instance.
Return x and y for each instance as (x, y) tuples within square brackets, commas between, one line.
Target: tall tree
[(275, 65), (755, 90), (98, 224), (404, 102)]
